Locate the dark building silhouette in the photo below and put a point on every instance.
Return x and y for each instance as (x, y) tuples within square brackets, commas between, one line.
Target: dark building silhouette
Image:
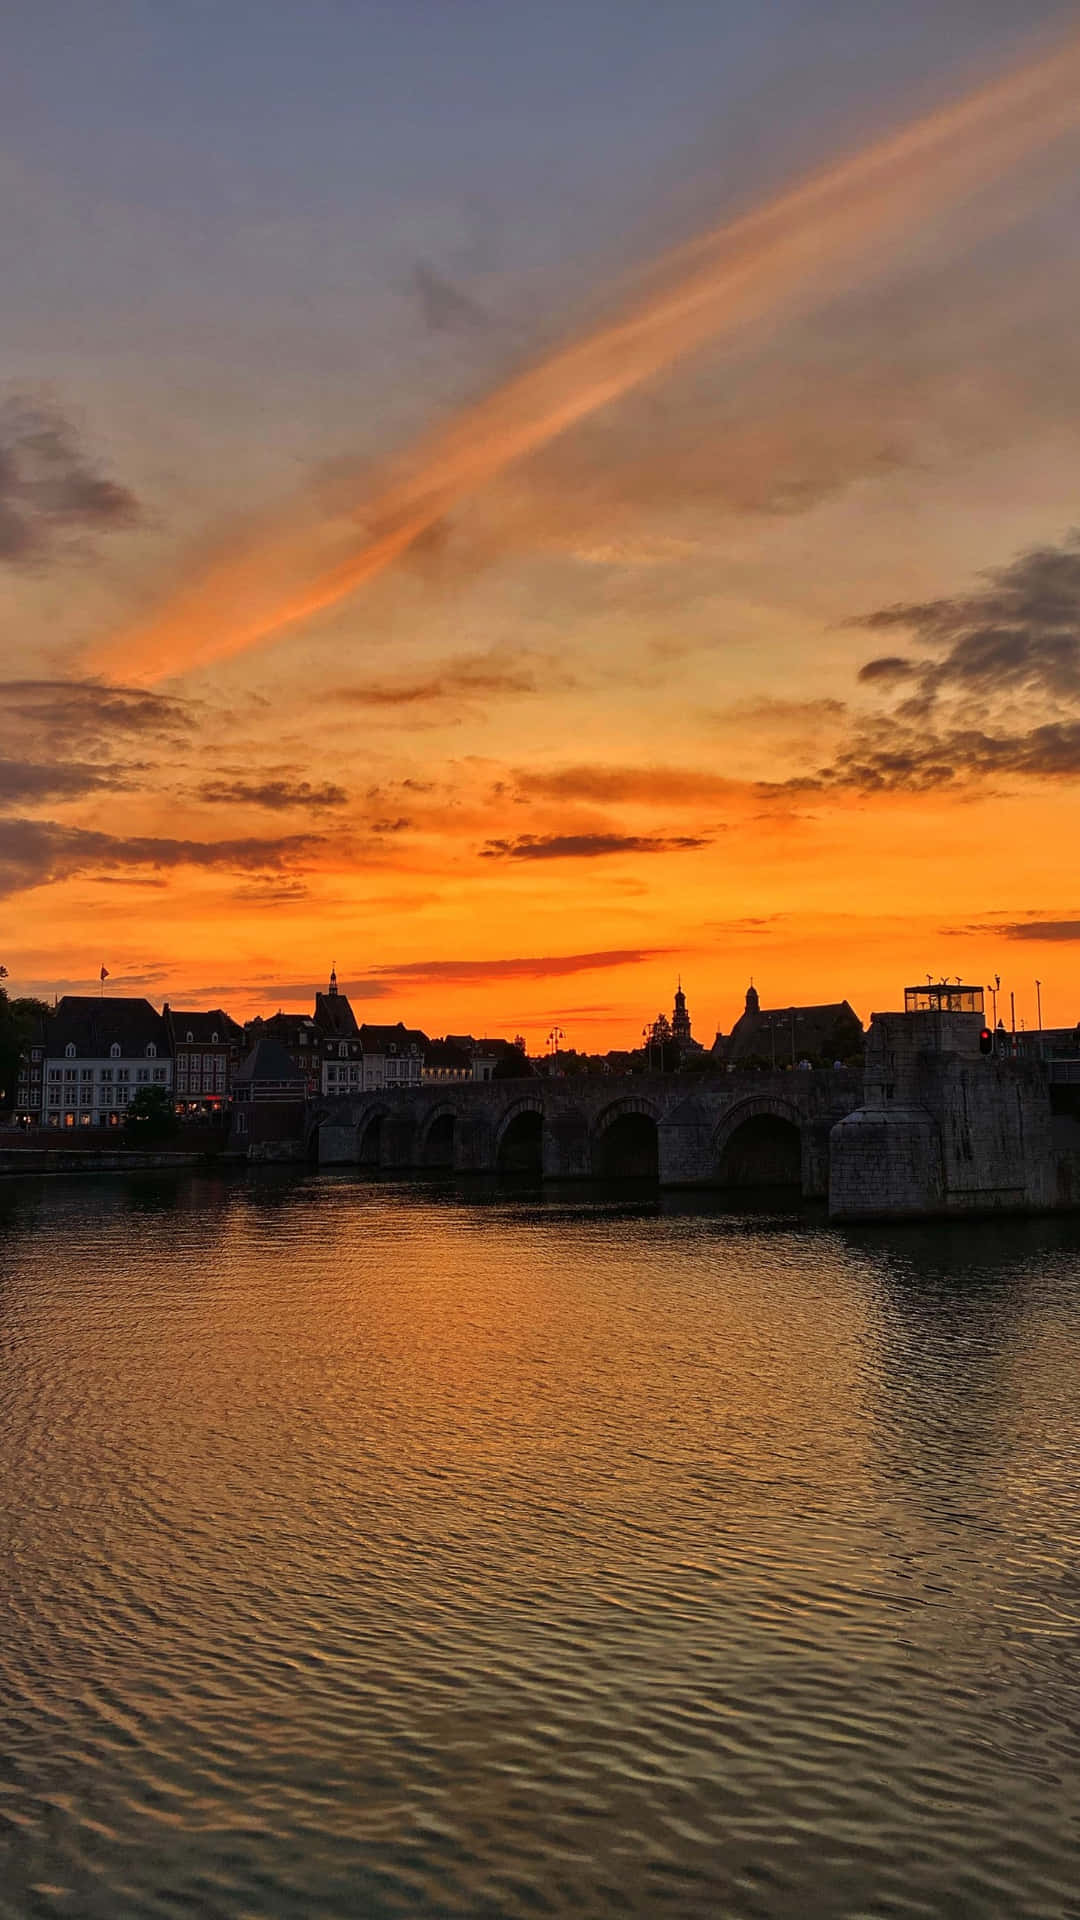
[(207, 1049), (784, 1036), (269, 1096), (333, 1014)]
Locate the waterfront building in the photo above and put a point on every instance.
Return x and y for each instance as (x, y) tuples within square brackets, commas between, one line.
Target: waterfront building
[(333, 1014), (206, 1050), (29, 1103), (784, 1036), (379, 1056), (300, 1038), (489, 1059), (269, 1099), (97, 1055), (445, 1062)]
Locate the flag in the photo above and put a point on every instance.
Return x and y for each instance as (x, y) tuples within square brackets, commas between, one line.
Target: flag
[(104, 973)]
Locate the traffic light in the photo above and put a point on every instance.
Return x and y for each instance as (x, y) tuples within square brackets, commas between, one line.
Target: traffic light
[(986, 1041)]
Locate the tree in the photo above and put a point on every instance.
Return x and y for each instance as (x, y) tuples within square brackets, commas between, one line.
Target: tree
[(512, 1065), (151, 1118)]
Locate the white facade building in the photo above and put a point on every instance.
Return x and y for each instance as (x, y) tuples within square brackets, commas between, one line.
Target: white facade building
[(98, 1055)]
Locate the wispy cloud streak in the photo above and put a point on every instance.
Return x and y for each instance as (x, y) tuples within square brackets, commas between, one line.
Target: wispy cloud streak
[(808, 241)]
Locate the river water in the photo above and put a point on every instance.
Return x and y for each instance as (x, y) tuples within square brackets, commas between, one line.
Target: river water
[(379, 1549)]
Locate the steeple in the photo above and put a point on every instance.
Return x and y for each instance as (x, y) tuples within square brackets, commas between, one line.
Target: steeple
[(680, 1019), (332, 989), (753, 1004)]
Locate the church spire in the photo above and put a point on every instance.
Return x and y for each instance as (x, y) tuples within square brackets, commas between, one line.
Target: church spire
[(333, 981)]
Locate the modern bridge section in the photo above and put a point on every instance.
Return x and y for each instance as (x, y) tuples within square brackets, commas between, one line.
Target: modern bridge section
[(715, 1130)]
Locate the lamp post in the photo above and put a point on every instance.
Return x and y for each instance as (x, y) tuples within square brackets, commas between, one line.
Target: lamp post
[(554, 1037), (1038, 1002), (646, 1047)]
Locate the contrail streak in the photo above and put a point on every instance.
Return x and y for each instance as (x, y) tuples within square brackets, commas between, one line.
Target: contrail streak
[(793, 249)]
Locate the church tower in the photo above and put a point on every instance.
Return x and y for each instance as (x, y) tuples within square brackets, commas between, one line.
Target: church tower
[(332, 989), (753, 1004), (680, 1019)]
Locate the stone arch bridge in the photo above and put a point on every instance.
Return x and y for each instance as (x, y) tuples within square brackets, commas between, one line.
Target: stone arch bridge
[(727, 1130)]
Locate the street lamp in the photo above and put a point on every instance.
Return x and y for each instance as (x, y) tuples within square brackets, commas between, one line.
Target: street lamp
[(1038, 1001), (554, 1037), (993, 992)]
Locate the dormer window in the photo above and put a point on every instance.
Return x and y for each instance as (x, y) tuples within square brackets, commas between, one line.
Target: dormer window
[(151, 1051), (114, 1050), (343, 1050), (213, 1039), (190, 1036), (69, 1050)]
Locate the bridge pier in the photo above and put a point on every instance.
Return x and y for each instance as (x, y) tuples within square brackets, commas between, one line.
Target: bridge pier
[(566, 1146)]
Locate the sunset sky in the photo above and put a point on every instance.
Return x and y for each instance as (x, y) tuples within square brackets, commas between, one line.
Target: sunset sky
[(521, 501)]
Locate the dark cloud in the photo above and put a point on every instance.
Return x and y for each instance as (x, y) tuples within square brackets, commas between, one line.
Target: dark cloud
[(64, 719), (391, 826), (444, 307), (1018, 634), (469, 675), (655, 785), (275, 795), (1054, 931), (887, 756), (532, 967), (49, 485), (34, 853), (993, 691), (25, 782), (585, 846), (273, 891)]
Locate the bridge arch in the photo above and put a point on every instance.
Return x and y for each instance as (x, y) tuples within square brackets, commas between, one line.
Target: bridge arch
[(519, 1137), (437, 1136), (370, 1122), (759, 1143), (626, 1140)]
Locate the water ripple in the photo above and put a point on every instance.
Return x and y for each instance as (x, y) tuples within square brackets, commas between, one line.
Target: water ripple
[(374, 1549)]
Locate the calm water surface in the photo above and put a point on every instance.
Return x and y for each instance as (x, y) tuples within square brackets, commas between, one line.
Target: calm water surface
[(384, 1550)]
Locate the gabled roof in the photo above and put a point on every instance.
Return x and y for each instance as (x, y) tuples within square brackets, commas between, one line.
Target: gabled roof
[(396, 1039), (334, 1015), (292, 1029), (489, 1046), (268, 1061), (203, 1026), (94, 1025)]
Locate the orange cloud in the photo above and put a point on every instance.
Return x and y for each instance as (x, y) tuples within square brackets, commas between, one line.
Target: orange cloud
[(802, 245)]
